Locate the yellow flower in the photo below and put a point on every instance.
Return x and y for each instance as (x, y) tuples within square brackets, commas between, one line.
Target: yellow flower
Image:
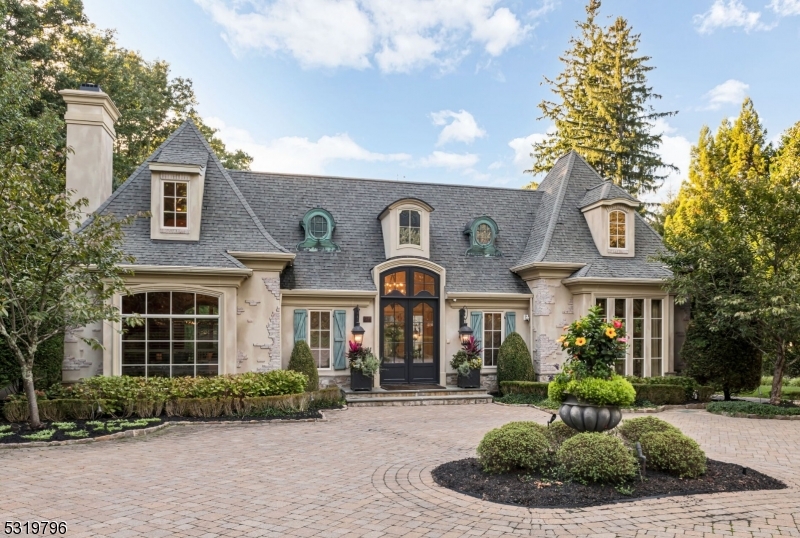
[(562, 338), (611, 333), (580, 341)]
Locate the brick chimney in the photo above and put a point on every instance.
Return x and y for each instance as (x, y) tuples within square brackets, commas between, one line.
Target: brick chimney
[(90, 119)]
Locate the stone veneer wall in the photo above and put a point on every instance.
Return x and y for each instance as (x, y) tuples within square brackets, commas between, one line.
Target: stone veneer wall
[(259, 324), (552, 310)]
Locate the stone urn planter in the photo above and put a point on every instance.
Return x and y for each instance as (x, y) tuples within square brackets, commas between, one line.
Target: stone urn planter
[(359, 381), (471, 381), (586, 417)]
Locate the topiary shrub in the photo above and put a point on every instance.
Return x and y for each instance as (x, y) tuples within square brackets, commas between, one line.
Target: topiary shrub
[(303, 361), (596, 457), (514, 360), (558, 432), (517, 445), (673, 453), (633, 429)]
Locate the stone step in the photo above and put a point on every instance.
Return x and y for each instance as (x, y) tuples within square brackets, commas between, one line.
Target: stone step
[(424, 393), (355, 401)]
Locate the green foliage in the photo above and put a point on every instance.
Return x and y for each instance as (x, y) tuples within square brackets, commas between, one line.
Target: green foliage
[(303, 361), (593, 345), (463, 363), (516, 445), (633, 429), (55, 410), (751, 408), (689, 385), (602, 108), (598, 458), (41, 435), (521, 399), (558, 432), (660, 394), (77, 434), (47, 364), (514, 360), (614, 391), (64, 425), (673, 453), (538, 388)]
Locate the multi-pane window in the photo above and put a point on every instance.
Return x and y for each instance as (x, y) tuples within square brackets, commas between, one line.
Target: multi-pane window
[(320, 338), (483, 234), (492, 337), (176, 334), (656, 336), (318, 226), (637, 338), (616, 229), (175, 208), (620, 313), (410, 227)]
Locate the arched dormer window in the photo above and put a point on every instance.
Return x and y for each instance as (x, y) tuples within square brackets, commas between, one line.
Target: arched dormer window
[(318, 226), (410, 227), (483, 235), (617, 229)]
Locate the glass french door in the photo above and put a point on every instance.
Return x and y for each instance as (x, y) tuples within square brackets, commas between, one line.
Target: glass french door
[(409, 327)]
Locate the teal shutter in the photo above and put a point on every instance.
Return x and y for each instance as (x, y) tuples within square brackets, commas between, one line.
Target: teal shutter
[(339, 330), (511, 323), (476, 323), (300, 325)]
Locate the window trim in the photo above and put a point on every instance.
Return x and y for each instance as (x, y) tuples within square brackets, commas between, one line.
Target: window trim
[(483, 336), (400, 227), (174, 229), (330, 339), (312, 243), (617, 250), (647, 330), (477, 249)]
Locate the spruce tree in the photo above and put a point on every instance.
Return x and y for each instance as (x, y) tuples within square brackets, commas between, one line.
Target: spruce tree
[(602, 108)]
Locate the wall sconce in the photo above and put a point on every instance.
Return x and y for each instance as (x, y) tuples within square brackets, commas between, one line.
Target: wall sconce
[(358, 331), (464, 331)]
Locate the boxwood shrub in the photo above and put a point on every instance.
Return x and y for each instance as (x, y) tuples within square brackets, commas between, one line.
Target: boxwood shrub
[(673, 453), (596, 457), (633, 429), (558, 432), (303, 361), (516, 445), (536, 388), (660, 394), (514, 360)]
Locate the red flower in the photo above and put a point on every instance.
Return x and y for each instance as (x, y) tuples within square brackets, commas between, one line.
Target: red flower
[(617, 324)]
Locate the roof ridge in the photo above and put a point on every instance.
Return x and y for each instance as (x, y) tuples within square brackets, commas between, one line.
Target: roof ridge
[(556, 209), (235, 189)]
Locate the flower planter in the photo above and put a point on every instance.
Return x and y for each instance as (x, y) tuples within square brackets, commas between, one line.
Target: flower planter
[(587, 417), (359, 381), (471, 381)]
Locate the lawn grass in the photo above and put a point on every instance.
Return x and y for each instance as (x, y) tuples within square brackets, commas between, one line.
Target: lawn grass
[(788, 392), (751, 408)]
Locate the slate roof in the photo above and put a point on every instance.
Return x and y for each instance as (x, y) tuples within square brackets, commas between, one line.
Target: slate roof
[(605, 191), (560, 232), (261, 212), (281, 200), (228, 222)]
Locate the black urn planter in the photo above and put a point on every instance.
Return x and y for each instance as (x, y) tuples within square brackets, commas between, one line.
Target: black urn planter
[(586, 417), (359, 381), (470, 381)]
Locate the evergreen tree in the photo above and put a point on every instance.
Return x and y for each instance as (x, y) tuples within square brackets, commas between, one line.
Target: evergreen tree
[(603, 108)]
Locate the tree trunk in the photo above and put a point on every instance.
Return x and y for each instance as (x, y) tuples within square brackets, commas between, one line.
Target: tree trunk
[(777, 376), (727, 392), (30, 392)]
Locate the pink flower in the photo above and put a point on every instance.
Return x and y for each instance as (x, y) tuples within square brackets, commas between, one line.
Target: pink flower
[(617, 324), (623, 340)]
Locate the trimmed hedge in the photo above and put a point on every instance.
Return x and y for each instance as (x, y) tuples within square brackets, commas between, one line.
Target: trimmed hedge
[(303, 361), (537, 388), (597, 457), (516, 445), (53, 410), (514, 360), (674, 453), (689, 385), (660, 394), (751, 408)]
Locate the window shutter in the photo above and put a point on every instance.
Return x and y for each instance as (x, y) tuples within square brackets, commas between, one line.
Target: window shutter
[(339, 330), (476, 323), (511, 323), (300, 325)]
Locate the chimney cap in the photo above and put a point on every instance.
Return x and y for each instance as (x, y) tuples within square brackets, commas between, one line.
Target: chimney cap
[(90, 87)]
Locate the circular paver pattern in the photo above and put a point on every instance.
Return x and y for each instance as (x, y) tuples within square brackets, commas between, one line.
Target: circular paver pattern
[(366, 472)]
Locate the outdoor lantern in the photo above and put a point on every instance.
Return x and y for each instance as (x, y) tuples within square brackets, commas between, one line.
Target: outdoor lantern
[(358, 330), (465, 331)]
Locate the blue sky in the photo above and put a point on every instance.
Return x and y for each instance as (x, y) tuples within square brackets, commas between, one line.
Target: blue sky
[(446, 90)]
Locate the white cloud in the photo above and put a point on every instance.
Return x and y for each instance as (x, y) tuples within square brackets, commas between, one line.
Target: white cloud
[(675, 150), (395, 35), (462, 128), (729, 14), (522, 150), (730, 92), (785, 8), (453, 161), (294, 154), (546, 7)]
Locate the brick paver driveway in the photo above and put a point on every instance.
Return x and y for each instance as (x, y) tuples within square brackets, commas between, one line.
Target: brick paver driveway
[(366, 472)]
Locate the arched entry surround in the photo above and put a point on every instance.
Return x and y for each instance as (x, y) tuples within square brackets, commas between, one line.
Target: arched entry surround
[(439, 274)]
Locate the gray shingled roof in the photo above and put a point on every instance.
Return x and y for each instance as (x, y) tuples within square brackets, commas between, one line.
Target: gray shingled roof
[(281, 200), (228, 222), (605, 191), (561, 234)]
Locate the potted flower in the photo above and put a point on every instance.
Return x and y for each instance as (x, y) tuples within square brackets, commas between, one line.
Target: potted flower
[(589, 390), (363, 366), (467, 362)]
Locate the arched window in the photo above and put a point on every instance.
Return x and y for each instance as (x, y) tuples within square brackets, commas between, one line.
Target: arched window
[(616, 229), (318, 226), (410, 227)]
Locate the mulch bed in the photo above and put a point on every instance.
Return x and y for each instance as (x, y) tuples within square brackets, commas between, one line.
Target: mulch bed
[(529, 490), (22, 428)]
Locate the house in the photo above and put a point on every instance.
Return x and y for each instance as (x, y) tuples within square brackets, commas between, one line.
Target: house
[(232, 268)]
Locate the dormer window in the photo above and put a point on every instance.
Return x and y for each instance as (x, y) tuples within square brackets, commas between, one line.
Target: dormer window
[(616, 229), (318, 226), (410, 227), (483, 235), (176, 209)]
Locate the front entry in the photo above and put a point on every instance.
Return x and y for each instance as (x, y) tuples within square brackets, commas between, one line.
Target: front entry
[(409, 326)]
